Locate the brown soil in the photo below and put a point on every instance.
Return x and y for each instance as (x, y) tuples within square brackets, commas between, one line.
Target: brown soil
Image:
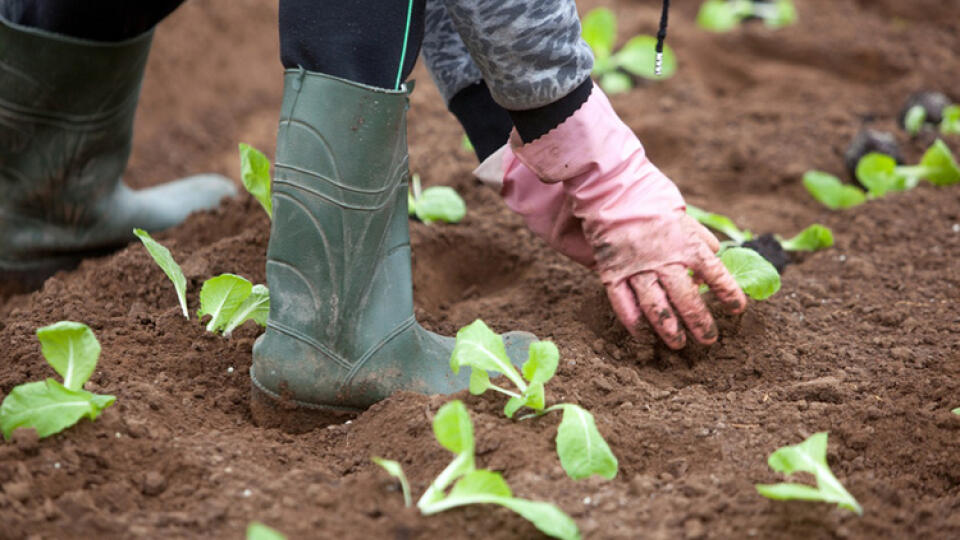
[(863, 340)]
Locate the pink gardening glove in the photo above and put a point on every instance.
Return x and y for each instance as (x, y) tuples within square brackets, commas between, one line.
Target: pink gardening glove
[(633, 218)]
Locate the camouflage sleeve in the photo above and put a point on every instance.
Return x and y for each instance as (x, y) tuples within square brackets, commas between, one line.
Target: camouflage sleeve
[(529, 52)]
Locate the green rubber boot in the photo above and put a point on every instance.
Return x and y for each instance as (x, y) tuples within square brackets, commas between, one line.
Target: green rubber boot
[(66, 125), (341, 334)]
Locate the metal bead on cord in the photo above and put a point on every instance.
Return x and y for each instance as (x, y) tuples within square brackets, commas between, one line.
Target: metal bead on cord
[(661, 36)]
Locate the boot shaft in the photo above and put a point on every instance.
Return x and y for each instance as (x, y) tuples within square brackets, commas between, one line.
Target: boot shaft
[(66, 121), (338, 263)]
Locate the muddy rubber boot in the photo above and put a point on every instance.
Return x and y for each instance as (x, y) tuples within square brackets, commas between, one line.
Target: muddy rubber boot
[(341, 334), (66, 125)]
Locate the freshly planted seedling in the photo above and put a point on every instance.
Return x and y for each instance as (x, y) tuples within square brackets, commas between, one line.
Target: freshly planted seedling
[(867, 141), (880, 173), (950, 125), (956, 411), (725, 15), (582, 450), (637, 57), (754, 274), (436, 203), (923, 109), (230, 301), (772, 247), (466, 144), (914, 119), (259, 531), (453, 429), (810, 456), (831, 192), (255, 173), (49, 406), (164, 260)]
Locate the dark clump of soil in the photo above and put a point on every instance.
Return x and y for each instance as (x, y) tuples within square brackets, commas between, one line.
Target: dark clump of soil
[(933, 104), (862, 340), (770, 249), (867, 141)]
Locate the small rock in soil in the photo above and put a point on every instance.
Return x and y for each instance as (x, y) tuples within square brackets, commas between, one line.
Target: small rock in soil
[(932, 102), (870, 140), (26, 440), (769, 248), (153, 483)]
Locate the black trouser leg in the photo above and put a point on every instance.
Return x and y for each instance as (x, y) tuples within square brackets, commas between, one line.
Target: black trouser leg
[(374, 42), (96, 20)]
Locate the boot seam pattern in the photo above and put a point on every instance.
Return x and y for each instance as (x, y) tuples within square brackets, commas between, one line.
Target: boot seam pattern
[(307, 340), (358, 365), (304, 404)]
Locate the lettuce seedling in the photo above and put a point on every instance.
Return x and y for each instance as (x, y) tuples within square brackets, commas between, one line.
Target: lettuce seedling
[(813, 238), (930, 109), (255, 173), (725, 15), (259, 531), (638, 57), (436, 203), (880, 173), (453, 429), (831, 192), (466, 144), (49, 406), (950, 125), (720, 223), (582, 450), (231, 300), (754, 274), (956, 411), (164, 260), (810, 456), (914, 119)]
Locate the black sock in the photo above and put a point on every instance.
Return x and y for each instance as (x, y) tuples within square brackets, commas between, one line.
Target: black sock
[(487, 124)]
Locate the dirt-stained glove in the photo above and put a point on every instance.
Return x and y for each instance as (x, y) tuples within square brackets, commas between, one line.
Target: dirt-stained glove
[(633, 218)]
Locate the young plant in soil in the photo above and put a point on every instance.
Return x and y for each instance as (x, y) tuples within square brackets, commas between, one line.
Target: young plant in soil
[(161, 255), (259, 531), (436, 203), (810, 456), (255, 173), (582, 450), (637, 58), (725, 15), (773, 248), (924, 110), (454, 431), (870, 140), (49, 406)]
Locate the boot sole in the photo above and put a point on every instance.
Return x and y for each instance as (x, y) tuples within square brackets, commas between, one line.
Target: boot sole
[(272, 410)]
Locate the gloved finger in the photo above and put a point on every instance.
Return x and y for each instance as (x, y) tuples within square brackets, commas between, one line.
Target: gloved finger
[(656, 308), (718, 278), (703, 233), (624, 304), (685, 297)]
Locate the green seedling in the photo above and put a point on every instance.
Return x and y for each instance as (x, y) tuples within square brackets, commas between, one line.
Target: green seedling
[(915, 118), (582, 450), (164, 260), (436, 203), (810, 456), (720, 223), (956, 411), (637, 57), (950, 124), (754, 274), (466, 144), (725, 15), (259, 531), (49, 406), (881, 174), (813, 238), (230, 301), (255, 173), (831, 192), (453, 429)]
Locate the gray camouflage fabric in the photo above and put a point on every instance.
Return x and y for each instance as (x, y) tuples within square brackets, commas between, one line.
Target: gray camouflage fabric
[(529, 52)]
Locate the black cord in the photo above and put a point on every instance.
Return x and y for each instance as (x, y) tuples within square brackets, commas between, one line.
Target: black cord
[(662, 35)]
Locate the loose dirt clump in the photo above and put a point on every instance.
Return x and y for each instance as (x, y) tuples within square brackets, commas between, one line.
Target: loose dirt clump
[(862, 340)]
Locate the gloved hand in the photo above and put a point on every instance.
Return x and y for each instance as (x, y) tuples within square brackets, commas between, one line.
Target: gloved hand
[(633, 217)]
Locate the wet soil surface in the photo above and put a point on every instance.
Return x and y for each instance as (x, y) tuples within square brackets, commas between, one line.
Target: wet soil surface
[(863, 340)]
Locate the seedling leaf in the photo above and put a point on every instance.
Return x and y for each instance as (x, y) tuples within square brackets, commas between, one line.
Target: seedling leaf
[(542, 362), (718, 16), (255, 307), (479, 381), (49, 407), (950, 124), (534, 397), (164, 260), (259, 531), (810, 456), (453, 429), (813, 238), (830, 191), (914, 119), (614, 82), (956, 411), (440, 203), (940, 166), (480, 347), (581, 448), (599, 29), (395, 470), (466, 144), (481, 482), (255, 173), (785, 14), (878, 172), (71, 349), (754, 274), (639, 55), (220, 297), (719, 223)]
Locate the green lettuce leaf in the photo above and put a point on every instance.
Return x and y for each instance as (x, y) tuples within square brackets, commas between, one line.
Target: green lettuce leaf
[(582, 450), (49, 407), (255, 307), (719, 15), (259, 531), (440, 203), (481, 348), (599, 29), (71, 349), (638, 57), (614, 82), (220, 297), (831, 192), (810, 456), (754, 274), (719, 223), (395, 470), (914, 119), (950, 124), (164, 260), (813, 238), (255, 173), (940, 166)]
